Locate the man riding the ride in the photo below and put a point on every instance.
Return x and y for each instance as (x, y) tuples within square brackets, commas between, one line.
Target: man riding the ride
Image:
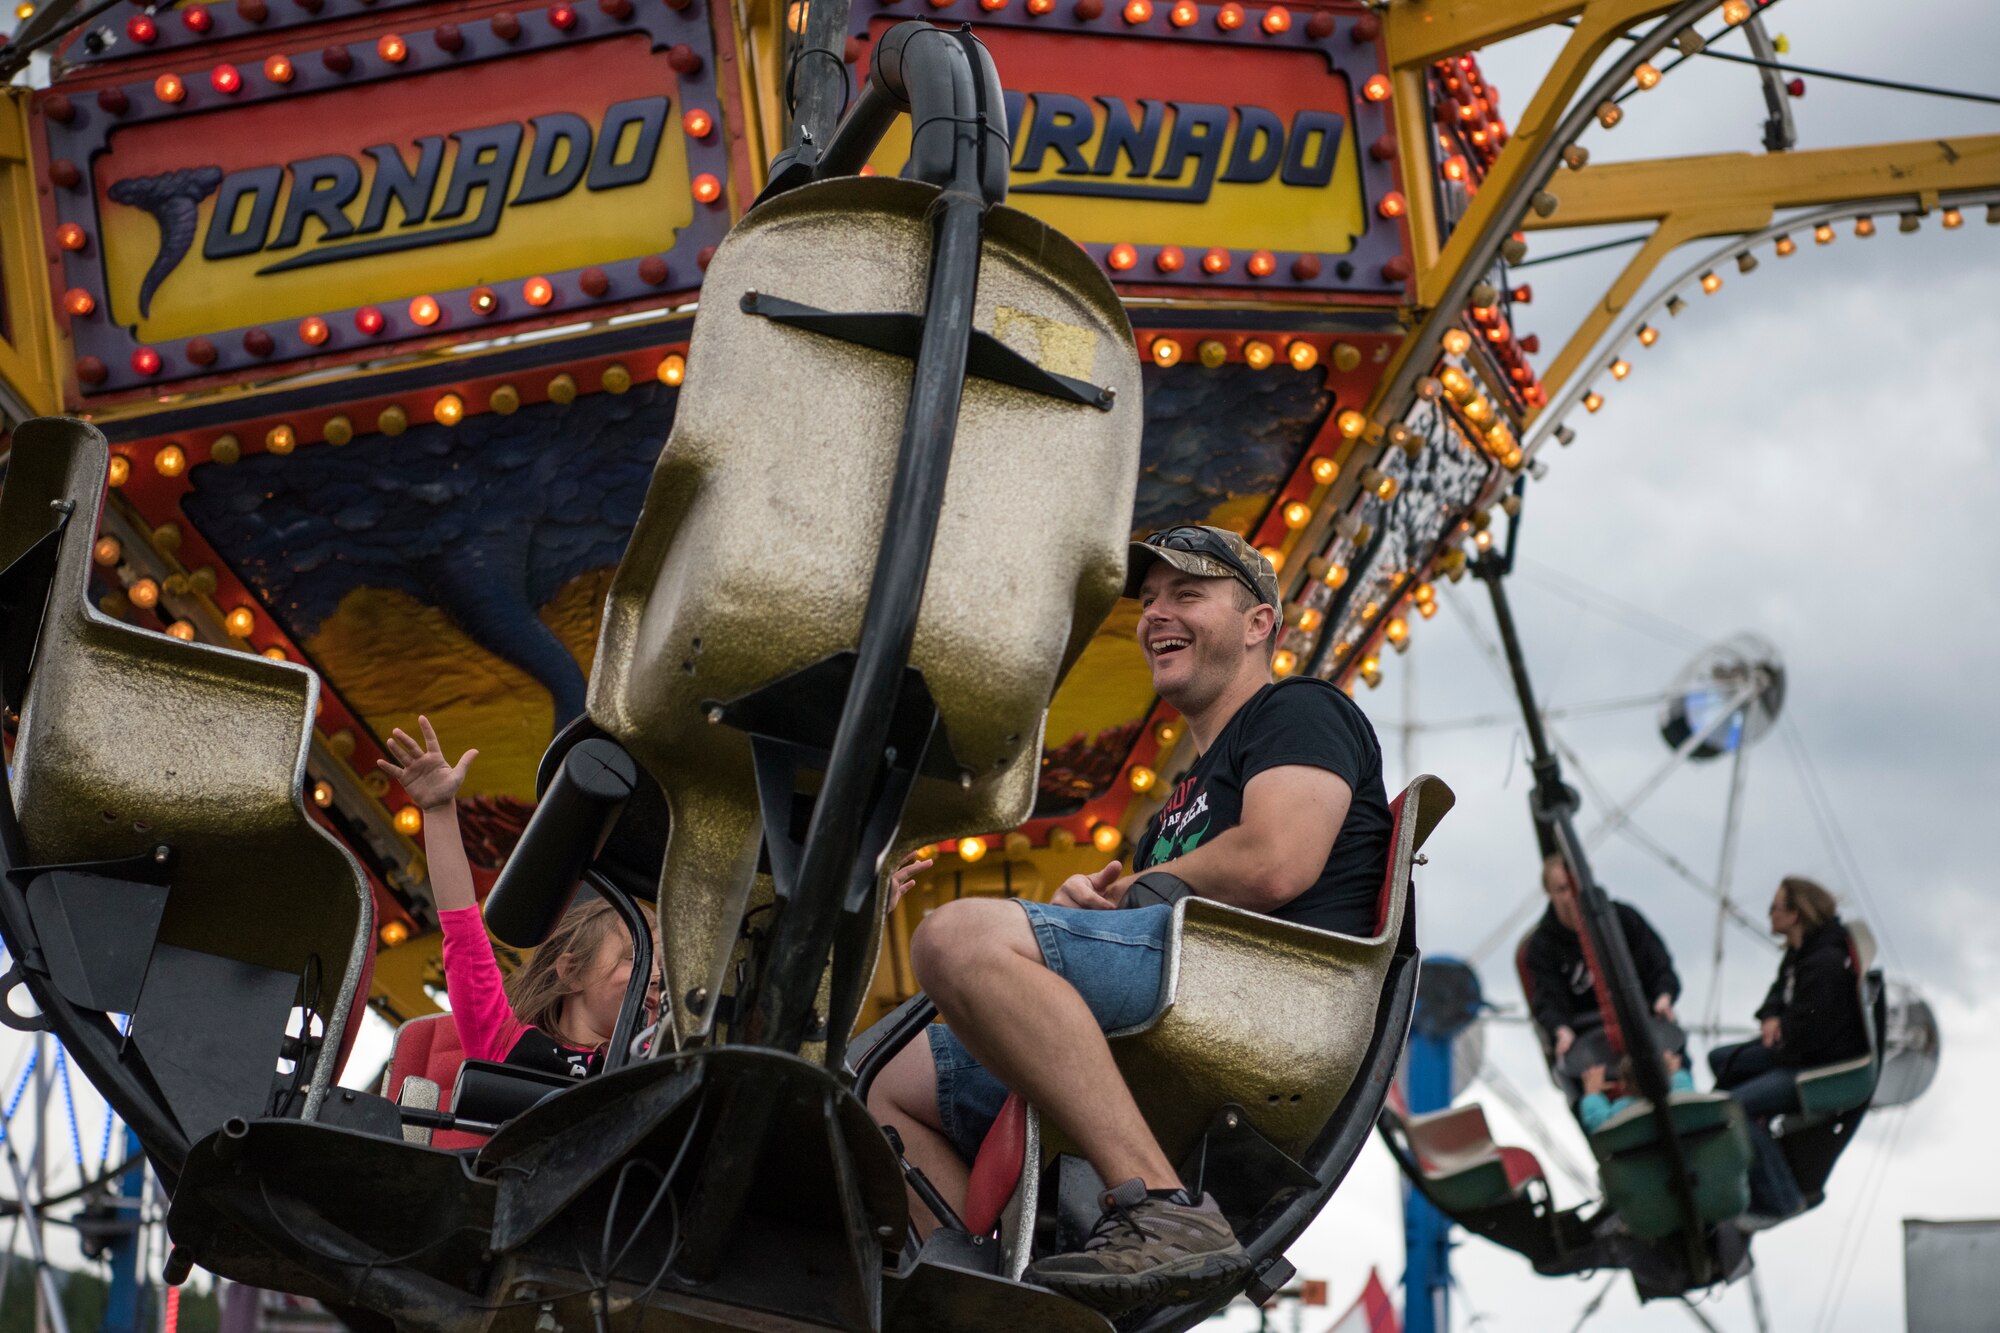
[(1564, 990), (1283, 812)]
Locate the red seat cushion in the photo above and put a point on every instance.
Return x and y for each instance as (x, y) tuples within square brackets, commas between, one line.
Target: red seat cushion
[(997, 1169), (1521, 1167), (429, 1048), (1389, 874)]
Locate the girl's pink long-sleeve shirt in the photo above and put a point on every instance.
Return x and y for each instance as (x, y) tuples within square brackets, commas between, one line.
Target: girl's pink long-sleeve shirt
[(487, 1025)]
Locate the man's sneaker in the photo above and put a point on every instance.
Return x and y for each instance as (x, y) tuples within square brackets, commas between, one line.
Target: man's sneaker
[(1147, 1249)]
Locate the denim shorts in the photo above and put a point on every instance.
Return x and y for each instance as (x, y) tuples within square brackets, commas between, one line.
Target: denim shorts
[(1116, 961)]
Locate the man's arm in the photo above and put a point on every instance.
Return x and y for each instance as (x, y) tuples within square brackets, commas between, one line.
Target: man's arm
[(1291, 815), (1649, 954)]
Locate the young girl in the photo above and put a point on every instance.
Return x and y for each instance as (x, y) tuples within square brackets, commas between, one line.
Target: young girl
[(558, 1011)]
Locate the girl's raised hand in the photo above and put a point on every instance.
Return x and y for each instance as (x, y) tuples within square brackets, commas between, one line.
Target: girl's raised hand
[(905, 875), (421, 770)]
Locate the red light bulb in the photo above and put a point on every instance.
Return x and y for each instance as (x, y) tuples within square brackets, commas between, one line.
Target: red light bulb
[(141, 29), (146, 361), (1216, 261), (424, 311), (1277, 19), (313, 329), (707, 189), (225, 79), (1121, 257), (698, 124), (369, 320), (538, 291)]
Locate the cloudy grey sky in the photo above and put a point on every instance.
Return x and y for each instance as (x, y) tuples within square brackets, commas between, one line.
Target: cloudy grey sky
[(1810, 454)]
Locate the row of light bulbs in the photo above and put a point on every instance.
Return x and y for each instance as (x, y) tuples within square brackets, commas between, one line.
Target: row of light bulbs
[(1746, 262)]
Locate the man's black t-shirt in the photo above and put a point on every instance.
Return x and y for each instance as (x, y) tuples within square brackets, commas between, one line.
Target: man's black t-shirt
[(1305, 721), (1565, 993)]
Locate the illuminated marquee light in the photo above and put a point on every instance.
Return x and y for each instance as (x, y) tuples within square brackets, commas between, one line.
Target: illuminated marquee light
[(1284, 145), (109, 357)]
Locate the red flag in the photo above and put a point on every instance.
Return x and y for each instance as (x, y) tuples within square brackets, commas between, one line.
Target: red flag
[(1371, 1311)]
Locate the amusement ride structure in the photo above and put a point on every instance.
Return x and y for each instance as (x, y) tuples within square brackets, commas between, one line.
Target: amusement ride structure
[(639, 388)]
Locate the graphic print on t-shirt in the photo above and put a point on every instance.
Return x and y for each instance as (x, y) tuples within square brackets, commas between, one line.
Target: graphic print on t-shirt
[(1178, 834)]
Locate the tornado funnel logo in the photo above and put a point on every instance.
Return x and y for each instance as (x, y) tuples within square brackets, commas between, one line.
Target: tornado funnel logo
[(174, 199)]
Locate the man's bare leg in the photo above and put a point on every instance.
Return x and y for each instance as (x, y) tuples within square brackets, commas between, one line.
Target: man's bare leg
[(904, 1097), (979, 960)]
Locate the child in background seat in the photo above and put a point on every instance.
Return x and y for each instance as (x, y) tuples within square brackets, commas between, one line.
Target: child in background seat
[(1596, 1108), (558, 1011)]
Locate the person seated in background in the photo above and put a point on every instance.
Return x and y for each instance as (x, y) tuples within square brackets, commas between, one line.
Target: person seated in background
[(1564, 1003), (1812, 1013), (1811, 1016), (1596, 1107)]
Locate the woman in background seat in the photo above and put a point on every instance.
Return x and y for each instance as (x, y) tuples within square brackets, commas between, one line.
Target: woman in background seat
[(1812, 1014)]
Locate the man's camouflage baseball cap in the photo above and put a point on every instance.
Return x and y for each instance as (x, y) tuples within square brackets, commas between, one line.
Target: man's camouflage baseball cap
[(1206, 552)]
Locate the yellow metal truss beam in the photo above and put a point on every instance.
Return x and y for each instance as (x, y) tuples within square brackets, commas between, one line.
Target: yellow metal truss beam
[(1421, 31), (1730, 194), (28, 360)]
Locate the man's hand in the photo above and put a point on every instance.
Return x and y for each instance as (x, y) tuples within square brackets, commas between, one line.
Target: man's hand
[(905, 874), (421, 770), (1565, 1038), (1672, 1060), (1593, 1079), (1096, 891), (1773, 1032), (1664, 1007)]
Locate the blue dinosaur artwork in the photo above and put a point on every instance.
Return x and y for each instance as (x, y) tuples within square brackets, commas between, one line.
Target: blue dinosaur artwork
[(486, 521)]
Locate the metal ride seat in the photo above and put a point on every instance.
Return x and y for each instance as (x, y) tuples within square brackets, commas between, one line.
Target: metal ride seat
[(1450, 1158), (423, 1071), (158, 788), (1635, 1172), (1262, 1070), (730, 629), (1464, 1170)]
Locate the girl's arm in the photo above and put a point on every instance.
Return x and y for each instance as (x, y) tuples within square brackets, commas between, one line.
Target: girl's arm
[(487, 1027)]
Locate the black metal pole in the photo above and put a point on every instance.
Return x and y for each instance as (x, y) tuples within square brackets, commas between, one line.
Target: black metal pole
[(819, 74), (633, 1005), (804, 927), (1554, 806)]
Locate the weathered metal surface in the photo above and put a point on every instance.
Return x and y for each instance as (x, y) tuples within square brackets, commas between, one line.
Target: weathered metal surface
[(752, 556), (129, 740)]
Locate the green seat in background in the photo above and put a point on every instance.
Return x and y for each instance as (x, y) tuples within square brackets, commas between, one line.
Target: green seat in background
[(1633, 1164)]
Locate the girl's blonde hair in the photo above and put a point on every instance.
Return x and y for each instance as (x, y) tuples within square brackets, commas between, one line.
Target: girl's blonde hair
[(538, 987), (1814, 904)]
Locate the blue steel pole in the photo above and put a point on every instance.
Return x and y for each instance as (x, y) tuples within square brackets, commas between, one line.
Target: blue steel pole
[(123, 1308), (1447, 1002)]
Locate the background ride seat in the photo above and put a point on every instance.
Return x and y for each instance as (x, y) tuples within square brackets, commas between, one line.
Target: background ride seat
[(1215, 1042), (428, 1048), (1634, 1170), (1463, 1168), (131, 740), (746, 577)]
